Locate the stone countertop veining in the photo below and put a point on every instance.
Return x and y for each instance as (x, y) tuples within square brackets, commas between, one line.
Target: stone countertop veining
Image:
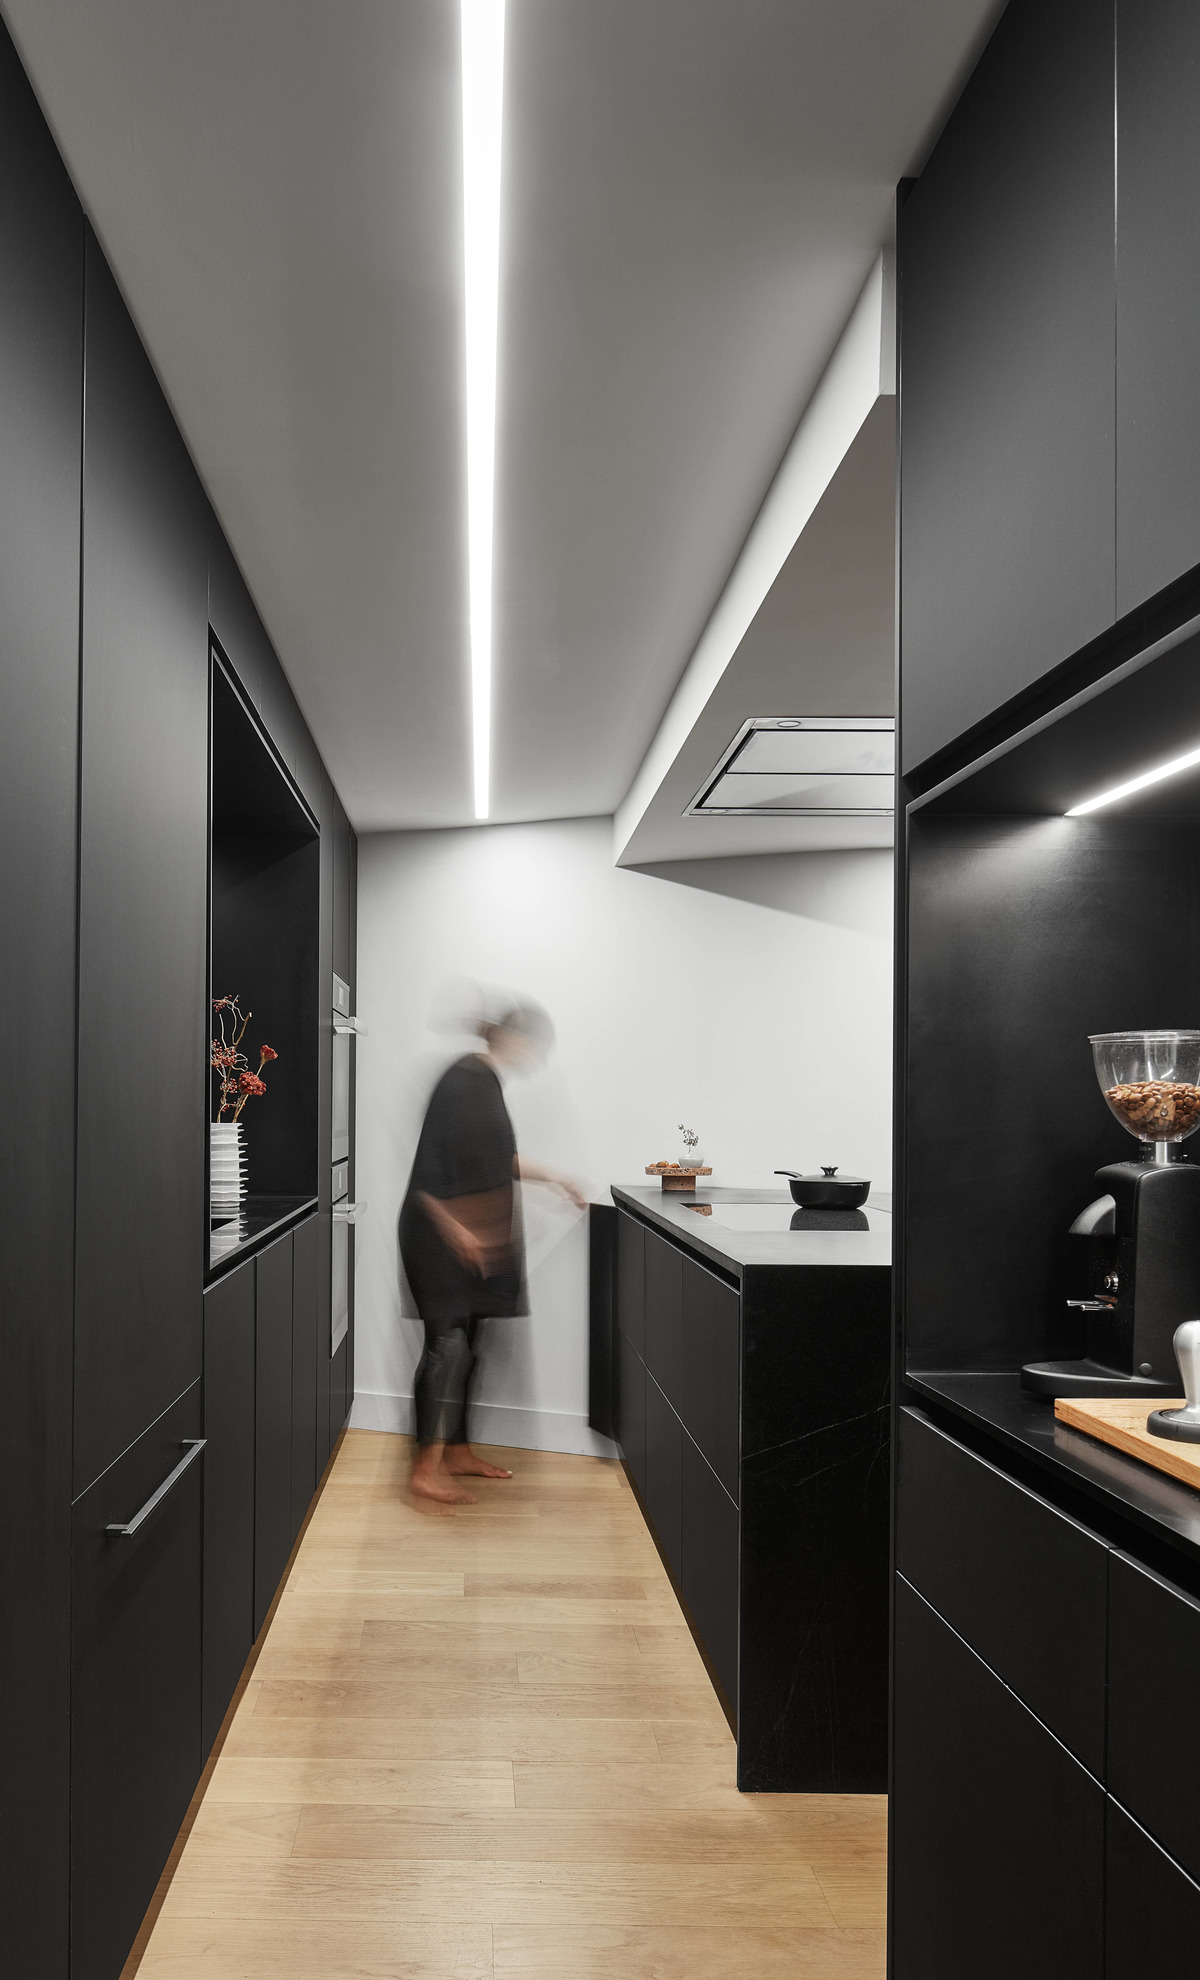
[(737, 1244)]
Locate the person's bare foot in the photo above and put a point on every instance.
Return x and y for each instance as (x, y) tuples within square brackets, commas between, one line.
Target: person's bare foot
[(438, 1487), (463, 1462)]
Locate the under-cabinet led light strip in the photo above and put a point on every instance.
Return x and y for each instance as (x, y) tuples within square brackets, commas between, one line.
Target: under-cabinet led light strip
[(482, 117), (1171, 769)]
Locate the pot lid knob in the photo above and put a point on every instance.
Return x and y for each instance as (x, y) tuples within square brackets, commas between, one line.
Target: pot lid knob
[(828, 1172)]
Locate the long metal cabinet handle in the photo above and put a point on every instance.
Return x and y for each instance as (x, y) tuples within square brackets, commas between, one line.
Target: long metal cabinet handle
[(192, 1447)]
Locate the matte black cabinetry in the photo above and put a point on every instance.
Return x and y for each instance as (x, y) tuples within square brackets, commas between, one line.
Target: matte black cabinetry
[(229, 1409), (305, 1254), (998, 1833), (135, 1685), (1158, 296), (41, 387), (272, 1422), (1152, 1909), (754, 1426), (143, 896), (1153, 1706), (1031, 1601), (1007, 295)]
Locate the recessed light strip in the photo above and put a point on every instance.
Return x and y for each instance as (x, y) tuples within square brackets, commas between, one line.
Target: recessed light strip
[(1171, 769), (482, 24)]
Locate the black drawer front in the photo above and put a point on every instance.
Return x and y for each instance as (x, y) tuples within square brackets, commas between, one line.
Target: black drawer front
[(997, 1834), (228, 1490), (631, 1295), (631, 1406), (664, 1317), (711, 1407), (1152, 1910), (1023, 1583), (135, 1687), (1153, 1707), (664, 1439), (710, 1566)]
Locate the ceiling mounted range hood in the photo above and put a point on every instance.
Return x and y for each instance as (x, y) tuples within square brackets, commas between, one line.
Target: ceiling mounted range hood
[(828, 766)]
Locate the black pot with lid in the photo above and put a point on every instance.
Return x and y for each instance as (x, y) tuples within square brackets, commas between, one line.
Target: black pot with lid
[(828, 1191)]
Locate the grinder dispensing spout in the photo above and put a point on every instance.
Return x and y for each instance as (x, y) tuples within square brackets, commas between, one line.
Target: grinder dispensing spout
[(1183, 1425)]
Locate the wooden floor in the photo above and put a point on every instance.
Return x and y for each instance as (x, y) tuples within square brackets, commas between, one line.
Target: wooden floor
[(483, 1746)]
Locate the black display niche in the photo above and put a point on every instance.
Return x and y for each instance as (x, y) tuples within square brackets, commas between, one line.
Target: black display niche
[(1025, 930), (264, 891)]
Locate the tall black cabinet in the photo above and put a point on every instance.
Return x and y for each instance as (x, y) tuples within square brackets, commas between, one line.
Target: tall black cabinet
[(169, 1413), (1046, 1610), (41, 387)]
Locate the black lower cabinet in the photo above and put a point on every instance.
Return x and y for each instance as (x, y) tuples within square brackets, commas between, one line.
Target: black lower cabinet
[(711, 1406), (1153, 1707), (304, 1370), (710, 1565), (997, 1834), (339, 1391), (631, 1392), (272, 1423), (664, 1456), (1152, 1907), (135, 1684), (228, 1490)]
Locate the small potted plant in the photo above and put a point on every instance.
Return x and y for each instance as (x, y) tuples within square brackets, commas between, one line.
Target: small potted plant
[(236, 1084)]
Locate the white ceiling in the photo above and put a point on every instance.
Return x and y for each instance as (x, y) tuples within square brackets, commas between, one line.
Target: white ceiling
[(694, 192)]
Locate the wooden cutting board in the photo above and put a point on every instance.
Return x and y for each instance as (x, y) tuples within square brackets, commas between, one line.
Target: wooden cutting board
[(1122, 1423)]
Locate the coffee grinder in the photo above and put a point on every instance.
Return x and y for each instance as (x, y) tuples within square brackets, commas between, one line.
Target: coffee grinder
[(1137, 1245)]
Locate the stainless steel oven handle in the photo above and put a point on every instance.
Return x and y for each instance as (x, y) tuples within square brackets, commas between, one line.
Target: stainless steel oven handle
[(349, 1213), (349, 1027), (192, 1447)]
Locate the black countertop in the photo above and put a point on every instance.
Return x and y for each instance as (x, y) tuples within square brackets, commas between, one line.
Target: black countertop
[(264, 1217), (733, 1242), (1121, 1485)]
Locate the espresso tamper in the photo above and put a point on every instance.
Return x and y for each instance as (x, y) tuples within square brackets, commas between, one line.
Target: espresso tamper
[(1182, 1424)]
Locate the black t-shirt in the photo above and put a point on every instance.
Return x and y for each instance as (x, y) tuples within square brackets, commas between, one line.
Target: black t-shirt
[(467, 1143), (466, 1149)]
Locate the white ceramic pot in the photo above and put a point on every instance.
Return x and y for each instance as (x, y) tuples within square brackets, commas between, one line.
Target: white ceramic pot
[(227, 1182)]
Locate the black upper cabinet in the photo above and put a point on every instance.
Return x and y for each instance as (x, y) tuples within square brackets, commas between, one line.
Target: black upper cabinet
[(1007, 297), (143, 858), (41, 383), (1158, 295), (997, 1833), (343, 894)]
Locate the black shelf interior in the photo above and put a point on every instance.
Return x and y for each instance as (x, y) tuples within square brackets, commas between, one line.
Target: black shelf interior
[(264, 904), (1026, 931)]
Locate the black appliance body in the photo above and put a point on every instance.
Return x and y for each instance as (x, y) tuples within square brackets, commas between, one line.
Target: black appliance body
[(1138, 1245)]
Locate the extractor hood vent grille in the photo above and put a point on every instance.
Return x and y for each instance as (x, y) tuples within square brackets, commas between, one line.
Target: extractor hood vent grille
[(823, 766)]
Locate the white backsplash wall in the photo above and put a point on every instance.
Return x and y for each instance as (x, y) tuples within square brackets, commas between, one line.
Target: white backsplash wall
[(749, 998)]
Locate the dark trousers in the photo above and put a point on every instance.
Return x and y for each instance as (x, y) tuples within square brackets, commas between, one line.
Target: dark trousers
[(443, 1384)]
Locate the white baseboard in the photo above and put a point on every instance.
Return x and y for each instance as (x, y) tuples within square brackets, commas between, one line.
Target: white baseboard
[(491, 1423)]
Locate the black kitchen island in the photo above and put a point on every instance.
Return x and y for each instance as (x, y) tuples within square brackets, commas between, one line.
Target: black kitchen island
[(749, 1397)]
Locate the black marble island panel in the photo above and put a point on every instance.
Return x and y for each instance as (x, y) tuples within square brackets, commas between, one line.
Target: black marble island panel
[(753, 1414)]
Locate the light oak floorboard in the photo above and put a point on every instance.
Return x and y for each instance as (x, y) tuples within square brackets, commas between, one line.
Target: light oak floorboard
[(484, 1746), (601, 1952)]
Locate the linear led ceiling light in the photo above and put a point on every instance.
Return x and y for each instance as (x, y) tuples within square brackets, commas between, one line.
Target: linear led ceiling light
[(1171, 769), (482, 115)]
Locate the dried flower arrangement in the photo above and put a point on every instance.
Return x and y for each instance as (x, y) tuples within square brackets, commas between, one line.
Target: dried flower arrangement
[(229, 1062), (690, 1139)]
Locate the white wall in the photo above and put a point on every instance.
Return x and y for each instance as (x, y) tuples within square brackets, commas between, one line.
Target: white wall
[(750, 998)]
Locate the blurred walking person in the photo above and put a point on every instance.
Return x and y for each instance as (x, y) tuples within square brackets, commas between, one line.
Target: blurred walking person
[(461, 1242)]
